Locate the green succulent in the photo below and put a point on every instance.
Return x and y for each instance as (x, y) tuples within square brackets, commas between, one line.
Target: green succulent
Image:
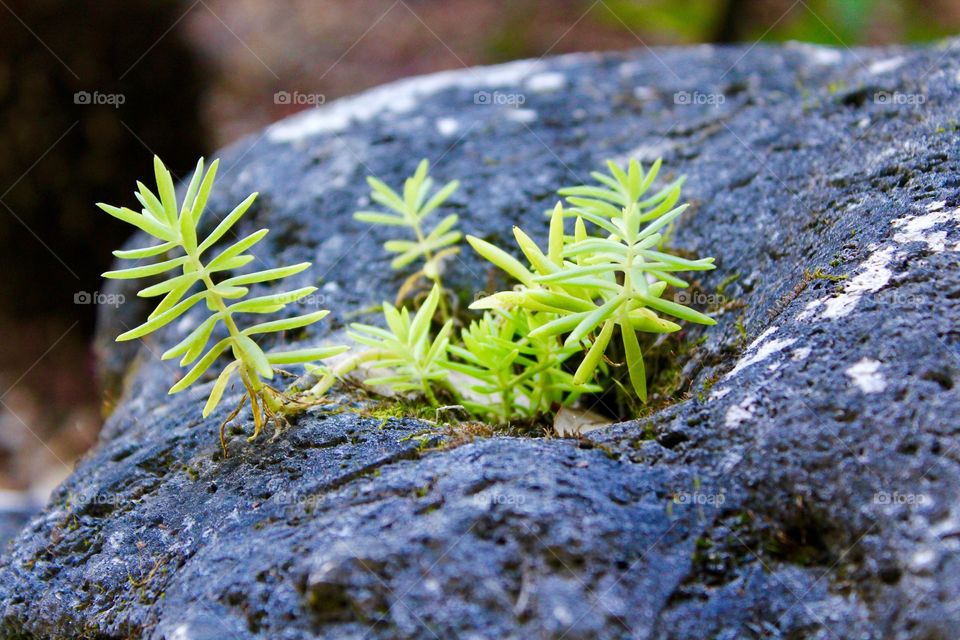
[(191, 276), (410, 210), (415, 359), (514, 373), (597, 285)]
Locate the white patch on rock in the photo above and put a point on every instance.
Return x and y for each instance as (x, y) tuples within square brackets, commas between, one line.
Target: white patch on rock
[(401, 96), (447, 126), (739, 413), (761, 350), (917, 228), (730, 461), (817, 54), (923, 561), (181, 633), (522, 115), (874, 275), (719, 393), (563, 615), (875, 271), (800, 354), (546, 82), (644, 93), (866, 375), (810, 310), (886, 66), (648, 152), (115, 541)]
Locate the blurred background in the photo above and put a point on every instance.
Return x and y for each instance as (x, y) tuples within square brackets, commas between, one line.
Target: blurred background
[(89, 91)]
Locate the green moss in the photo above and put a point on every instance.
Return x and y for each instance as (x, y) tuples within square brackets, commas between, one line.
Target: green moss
[(820, 274), (726, 282), (741, 328)]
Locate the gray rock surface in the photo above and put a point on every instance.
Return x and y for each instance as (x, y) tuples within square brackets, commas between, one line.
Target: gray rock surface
[(802, 484)]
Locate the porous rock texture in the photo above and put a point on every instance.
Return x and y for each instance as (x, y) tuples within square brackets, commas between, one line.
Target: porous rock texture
[(804, 485)]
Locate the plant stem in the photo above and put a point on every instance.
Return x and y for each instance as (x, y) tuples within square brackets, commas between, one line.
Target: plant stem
[(250, 378), (428, 256)]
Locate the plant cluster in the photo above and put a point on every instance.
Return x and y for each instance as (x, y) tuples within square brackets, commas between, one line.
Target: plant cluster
[(576, 309), (191, 277), (570, 301), (588, 286)]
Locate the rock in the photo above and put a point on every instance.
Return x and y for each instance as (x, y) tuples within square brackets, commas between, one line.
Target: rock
[(802, 481)]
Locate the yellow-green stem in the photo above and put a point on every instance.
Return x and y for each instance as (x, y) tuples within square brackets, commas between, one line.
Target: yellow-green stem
[(428, 256)]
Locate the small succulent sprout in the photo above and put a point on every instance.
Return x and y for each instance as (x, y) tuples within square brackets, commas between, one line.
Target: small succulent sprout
[(415, 359), (411, 210), (514, 374), (621, 189), (192, 277), (595, 284)]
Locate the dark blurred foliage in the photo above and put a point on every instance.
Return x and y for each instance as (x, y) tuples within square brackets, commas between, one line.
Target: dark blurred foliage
[(60, 156), (197, 74)]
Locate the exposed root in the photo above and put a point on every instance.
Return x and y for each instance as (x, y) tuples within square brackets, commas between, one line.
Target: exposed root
[(223, 426)]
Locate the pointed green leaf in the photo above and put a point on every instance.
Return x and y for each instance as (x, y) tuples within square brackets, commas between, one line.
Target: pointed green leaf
[(202, 365), (252, 356), (236, 249), (151, 203), (203, 194), (501, 259), (146, 252), (591, 320), (142, 222), (274, 302), (440, 197), (227, 222), (375, 217), (635, 368), (166, 191), (287, 323), (171, 299), (674, 309), (302, 356), (145, 270), (423, 318), (592, 360), (191, 193), (160, 320), (199, 335), (266, 275), (219, 387)]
